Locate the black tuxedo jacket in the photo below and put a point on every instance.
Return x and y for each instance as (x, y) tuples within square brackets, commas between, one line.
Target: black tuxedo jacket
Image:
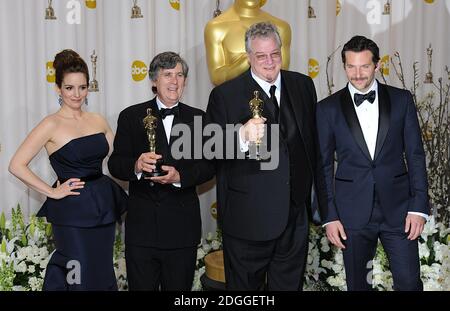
[(161, 216), (253, 204), (397, 173)]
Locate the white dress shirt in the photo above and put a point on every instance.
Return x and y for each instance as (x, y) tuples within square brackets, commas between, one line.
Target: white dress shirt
[(168, 120), (368, 116)]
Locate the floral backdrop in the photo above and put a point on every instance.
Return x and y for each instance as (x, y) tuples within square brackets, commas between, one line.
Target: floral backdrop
[(26, 247)]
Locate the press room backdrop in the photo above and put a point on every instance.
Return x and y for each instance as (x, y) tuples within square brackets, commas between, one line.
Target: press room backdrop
[(125, 46)]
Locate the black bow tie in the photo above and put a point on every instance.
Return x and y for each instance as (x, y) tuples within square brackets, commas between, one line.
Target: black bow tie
[(170, 111), (360, 98)]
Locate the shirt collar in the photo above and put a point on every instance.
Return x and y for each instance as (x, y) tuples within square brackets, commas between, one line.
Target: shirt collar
[(353, 90), (161, 105), (266, 85)]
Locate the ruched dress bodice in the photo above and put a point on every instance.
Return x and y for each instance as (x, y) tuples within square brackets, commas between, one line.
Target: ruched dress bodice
[(101, 201)]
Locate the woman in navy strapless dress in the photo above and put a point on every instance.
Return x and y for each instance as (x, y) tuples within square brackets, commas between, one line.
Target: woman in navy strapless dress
[(83, 205)]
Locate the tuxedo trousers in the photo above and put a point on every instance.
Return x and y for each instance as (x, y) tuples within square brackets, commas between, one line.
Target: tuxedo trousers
[(153, 269), (360, 250), (277, 264)]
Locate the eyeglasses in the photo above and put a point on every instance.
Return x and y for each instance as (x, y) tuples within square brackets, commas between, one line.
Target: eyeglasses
[(262, 58)]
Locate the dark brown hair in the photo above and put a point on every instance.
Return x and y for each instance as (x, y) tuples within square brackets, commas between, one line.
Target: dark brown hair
[(359, 44), (68, 61)]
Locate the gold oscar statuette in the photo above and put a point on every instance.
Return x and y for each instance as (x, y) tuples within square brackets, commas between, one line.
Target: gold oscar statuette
[(387, 8), (429, 74), (256, 108), (49, 11), (93, 85), (136, 10), (217, 11), (311, 13), (150, 124)]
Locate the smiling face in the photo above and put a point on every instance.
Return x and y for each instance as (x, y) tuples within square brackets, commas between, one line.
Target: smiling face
[(170, 84), (265, 58), (74, 89), (360, 69)]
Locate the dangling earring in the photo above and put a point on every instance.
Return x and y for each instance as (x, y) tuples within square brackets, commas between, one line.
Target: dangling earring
[(86, 101), (60, 101)]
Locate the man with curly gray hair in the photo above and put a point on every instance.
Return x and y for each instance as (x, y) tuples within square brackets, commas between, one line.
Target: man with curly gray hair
[(264, 213)]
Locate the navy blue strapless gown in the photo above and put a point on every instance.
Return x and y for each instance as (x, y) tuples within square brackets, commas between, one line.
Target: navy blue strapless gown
[(83, 225)]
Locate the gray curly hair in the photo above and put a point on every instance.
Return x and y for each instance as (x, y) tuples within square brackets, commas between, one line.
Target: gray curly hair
[(261, 30)]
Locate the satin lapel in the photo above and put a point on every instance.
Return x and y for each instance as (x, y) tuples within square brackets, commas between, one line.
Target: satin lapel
[(294, 91), (349, 112), (177, 120), (384, 107)]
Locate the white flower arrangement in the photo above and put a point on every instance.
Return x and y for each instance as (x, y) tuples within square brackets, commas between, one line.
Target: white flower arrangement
[(327, 273), (325, 263), (211, 243), (24, 252), (435, 260), (26, 247), (120, 268)]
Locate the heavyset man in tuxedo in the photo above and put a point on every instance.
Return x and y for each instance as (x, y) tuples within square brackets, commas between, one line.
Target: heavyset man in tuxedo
[(264, 213), (379, 188), (163, 224)]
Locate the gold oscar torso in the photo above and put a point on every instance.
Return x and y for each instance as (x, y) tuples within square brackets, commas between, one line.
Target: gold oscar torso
[(225, 40)]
